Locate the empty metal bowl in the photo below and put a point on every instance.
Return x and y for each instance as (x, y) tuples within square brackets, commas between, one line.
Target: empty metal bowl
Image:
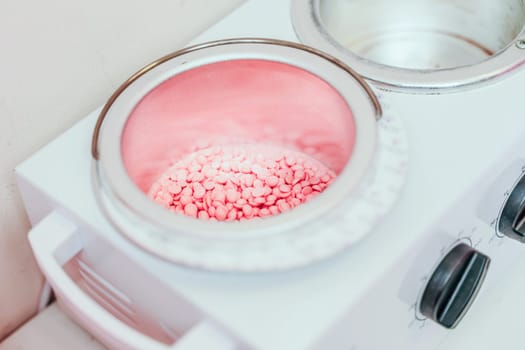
[(418, 45)]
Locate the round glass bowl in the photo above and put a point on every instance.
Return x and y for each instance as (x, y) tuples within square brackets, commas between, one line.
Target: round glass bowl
[(418, 45), (240, 92)]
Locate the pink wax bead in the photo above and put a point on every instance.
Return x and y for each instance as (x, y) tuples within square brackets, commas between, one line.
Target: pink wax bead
[(198, 191), (258, 191), (232, 215), (197, 177), (314, 180), (307, 190), (272, 180), (235, 166), (226, 166), (215, 164), (195, 168), (209, 172), (187, 191), (326, 178), (259, 200), (274, 210), (246, 193), (248, 180), (190, 209), (203, 215), (164, 201), (184, 200), (232, 195), (221, 213), (217, 204), (285, 188), (284, 206), (209, 185), (262, 173), (221, 179), (299, 174), (247, 210), (286, 194), (219, 195), (264, 212), (257, 168), (208, 199), (270, 200), (245, 167), (174, 188), (181, 175)]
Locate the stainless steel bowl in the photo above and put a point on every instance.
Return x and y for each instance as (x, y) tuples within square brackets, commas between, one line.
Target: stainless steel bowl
[(184, 98), (418, 45)]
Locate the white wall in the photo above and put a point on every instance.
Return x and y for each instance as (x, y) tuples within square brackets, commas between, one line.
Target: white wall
[(60, 59)]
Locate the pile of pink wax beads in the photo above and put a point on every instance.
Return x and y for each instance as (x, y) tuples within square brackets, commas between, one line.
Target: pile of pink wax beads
[(240, 182)]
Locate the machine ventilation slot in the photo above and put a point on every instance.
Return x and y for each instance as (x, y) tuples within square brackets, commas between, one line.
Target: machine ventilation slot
[(116, 302), (104, 291)]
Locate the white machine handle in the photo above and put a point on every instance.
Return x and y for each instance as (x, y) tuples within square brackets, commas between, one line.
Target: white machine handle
[(54, 241)]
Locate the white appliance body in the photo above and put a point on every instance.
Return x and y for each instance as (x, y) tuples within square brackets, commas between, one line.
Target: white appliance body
[(466, 152)]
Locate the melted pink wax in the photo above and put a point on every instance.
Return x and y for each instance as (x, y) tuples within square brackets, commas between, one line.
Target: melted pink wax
[(236, 102)]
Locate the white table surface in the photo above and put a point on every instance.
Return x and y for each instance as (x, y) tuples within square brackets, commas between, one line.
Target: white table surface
[(61, 59)]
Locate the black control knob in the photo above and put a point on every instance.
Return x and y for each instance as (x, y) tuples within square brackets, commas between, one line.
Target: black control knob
[(512, 219), (454, 285)]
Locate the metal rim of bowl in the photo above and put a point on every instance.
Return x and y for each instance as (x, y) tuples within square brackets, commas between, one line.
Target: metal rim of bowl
[(110, 176), (310, 30)]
